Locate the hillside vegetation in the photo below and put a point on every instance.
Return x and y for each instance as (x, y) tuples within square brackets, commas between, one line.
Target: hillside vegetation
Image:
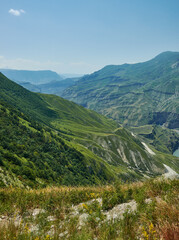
[(36, 155), (46, 139), (133, 94)]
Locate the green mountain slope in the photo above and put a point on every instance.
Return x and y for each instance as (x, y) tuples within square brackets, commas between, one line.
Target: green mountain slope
[(133, 94), (37, 155), (26, 101), (79, 146)]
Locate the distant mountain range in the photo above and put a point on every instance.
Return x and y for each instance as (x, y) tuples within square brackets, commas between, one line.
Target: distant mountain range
[(33, 77), (43, 81), (46, 139), (133, 94), (52, 87)]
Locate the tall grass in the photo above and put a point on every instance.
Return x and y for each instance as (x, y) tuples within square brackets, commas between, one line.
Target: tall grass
[(49, 213)]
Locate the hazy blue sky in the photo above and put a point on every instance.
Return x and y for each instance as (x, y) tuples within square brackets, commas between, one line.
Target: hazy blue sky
[(81, 36)]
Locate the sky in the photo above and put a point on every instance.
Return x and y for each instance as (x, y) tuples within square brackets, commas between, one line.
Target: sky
[(82, 36)]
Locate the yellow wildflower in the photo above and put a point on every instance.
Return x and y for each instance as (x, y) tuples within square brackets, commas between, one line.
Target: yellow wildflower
[(37, 238), (26, 228), (47, 237), (151, 227), (85, 206), (93, 195)]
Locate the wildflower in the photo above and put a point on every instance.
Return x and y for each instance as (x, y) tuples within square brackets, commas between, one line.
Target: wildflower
[(93, 195), (145, 234), (26, 228), (37, 238), (151, 228), (85, 206), (47, 237), (149, 233)]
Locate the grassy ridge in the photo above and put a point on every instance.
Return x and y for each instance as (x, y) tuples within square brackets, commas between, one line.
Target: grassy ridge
[(26, 101), (70, 113)]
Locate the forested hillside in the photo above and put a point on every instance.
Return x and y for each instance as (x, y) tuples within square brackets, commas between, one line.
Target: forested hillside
[(38, 155)]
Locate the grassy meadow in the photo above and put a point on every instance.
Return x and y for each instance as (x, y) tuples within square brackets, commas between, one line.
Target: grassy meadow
[(141, 210)]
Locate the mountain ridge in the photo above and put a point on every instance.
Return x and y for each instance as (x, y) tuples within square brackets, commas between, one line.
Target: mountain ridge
[(32, 76), (133, 94)]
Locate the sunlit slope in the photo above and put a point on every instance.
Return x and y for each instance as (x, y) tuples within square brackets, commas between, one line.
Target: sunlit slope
[(116, 146), (24, 100), (105, 150), (32, 154)]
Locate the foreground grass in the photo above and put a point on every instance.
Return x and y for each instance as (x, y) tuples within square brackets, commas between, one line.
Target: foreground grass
[(55, 213)]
